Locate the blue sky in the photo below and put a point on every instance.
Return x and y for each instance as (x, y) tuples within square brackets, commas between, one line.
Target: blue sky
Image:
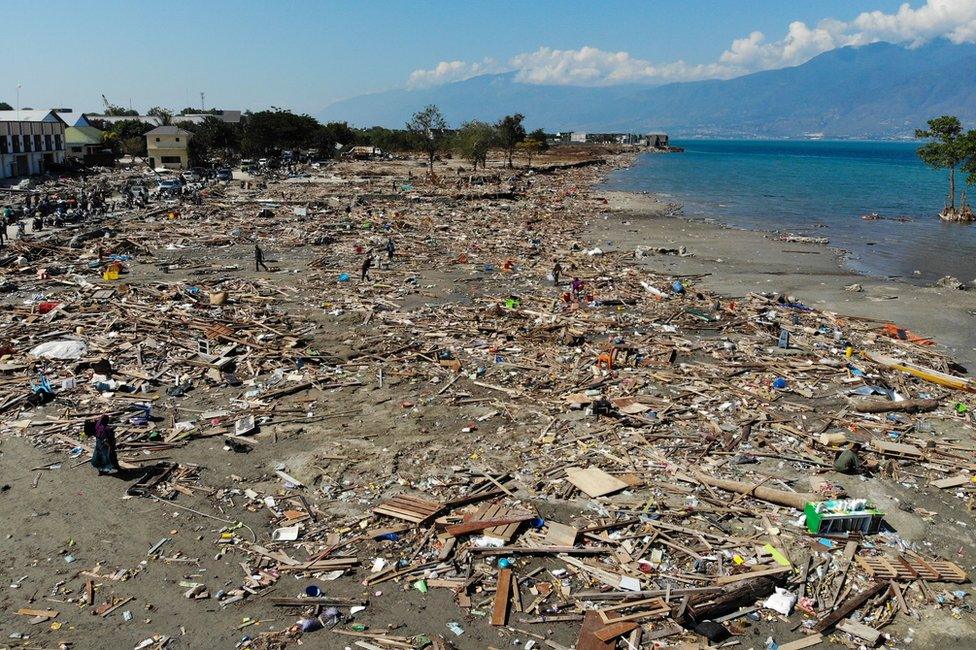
[(303, 55)]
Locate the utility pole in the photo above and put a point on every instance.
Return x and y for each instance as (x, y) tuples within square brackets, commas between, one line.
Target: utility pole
[(18, 102), (203, 108)]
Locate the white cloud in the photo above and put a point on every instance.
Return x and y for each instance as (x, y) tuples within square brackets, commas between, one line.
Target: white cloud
[(954, 19), (448, 71), (800, 44), (589, 66)]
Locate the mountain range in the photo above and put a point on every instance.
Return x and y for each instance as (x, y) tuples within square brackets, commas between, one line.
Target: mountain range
[(880, 90)]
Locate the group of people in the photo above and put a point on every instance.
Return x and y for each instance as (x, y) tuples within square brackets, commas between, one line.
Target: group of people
[(43, 210), (368, 261)]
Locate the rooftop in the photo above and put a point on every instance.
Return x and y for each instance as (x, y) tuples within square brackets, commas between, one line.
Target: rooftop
[(82, 135), (30, 115), (169, 129)]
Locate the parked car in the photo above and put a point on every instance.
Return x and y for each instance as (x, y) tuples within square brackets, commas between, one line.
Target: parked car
[(224, 174), (138, 190), (170, 185), (192, 176)]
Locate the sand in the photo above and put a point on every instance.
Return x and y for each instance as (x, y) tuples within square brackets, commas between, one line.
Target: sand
[(71, 511), (739, 261)]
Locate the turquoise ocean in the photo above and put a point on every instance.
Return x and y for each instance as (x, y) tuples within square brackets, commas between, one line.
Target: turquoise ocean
[(820, 189)]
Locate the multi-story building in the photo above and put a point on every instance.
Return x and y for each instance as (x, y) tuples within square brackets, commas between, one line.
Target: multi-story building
[(168, 147), (30, 142)]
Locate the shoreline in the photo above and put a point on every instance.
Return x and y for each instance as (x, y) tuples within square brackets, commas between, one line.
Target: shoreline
[(735, 261)]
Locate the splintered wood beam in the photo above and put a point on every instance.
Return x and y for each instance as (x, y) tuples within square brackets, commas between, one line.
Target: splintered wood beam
[(847, 607), (499, 611)]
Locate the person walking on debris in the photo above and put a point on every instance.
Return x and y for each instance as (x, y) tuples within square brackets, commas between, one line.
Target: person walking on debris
[(557, 268), (367, 264), (390, 248), (259, 259), (104, 458), (577, 288)]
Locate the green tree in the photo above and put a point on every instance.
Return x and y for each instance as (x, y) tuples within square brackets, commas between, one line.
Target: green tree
[(510, 133), (164, 114), (387, 139), (119, 111), (4, 106), (948, 148), (267, 131), (212, 138), (126, 136), (969, 166), (474, 140), (429, 128), (189, 110), (340, 133), (328, 136), (110, 140), (534, 143)]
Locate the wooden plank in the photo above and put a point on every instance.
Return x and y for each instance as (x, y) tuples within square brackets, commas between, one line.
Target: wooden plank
[(880, 567), (614, 630), (593, 481), (951, 482), (541, 550), (408, 508), (499, 610), (560, 534), (475, 526), (587, 639), (805, 642), (849, 551), (656, 608), (505, 532), (43, 613), (917, 566), (897, 448), (948, 571), (861, 631), (850, 605), (725, 580)]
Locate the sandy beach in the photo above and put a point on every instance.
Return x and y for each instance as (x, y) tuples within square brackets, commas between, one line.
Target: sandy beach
[(460, 374), (735, 261)]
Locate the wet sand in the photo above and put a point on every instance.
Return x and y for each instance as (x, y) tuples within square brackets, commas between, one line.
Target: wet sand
[(741, 261)]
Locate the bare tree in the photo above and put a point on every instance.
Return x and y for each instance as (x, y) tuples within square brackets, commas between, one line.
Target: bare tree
[(428, 127)]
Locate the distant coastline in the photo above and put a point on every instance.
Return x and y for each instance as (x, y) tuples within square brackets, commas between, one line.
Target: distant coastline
[(817, 188)]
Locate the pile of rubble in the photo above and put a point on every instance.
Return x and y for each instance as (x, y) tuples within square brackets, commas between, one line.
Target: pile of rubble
[(611, 458)]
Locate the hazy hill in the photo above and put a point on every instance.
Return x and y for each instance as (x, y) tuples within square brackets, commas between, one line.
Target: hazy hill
[(879, 90)]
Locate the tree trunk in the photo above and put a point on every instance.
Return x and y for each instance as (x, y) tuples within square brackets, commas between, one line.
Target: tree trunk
[(430, 161), (510, 159), (952, 188)]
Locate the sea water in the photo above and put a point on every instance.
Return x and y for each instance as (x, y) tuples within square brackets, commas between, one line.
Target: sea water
[(820, 189)]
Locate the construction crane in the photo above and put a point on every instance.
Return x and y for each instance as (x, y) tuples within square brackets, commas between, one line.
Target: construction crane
[(105, 101)]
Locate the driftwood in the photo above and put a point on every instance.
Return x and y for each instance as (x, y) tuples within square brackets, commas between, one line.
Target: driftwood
[(904, 406), (847, 607), (779, 497), (708, 606)]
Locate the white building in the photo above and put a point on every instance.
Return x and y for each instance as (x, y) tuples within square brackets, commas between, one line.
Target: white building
[(231, 117), (30, 141)]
